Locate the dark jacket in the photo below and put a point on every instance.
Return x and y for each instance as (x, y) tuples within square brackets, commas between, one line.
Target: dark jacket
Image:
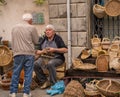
[(59, 42)]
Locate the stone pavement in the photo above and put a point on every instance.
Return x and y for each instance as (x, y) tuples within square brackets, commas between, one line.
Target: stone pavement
[(35, 93)]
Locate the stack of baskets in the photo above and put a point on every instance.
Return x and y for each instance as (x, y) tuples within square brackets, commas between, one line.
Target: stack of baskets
[(109, 88)]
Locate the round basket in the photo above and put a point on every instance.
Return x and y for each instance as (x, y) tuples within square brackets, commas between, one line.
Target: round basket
[(99, 11), (5, 56), (112, 8), (102, 63), (108, 88)]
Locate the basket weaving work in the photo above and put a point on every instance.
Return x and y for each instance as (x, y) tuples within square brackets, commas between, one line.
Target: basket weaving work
[(112, 8), (5, 56), (74, 89), (109, 88), (102, 63), (99, 11)]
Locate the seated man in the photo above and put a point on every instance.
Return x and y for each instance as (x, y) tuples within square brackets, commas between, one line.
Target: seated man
[(52, 45)]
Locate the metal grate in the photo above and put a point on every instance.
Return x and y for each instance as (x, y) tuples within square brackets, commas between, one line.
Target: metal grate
[(105, 27)]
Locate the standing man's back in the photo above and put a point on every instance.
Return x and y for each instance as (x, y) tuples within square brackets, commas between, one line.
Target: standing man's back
[(24, 37)]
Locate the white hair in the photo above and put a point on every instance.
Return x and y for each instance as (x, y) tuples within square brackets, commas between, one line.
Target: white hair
[(27, 16), (50, 27)]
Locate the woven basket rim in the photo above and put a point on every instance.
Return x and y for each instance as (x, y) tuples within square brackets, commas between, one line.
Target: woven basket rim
[(113, 11)]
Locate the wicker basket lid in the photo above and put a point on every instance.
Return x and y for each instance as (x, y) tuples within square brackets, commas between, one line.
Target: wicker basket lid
[(5, 56), (112, 8)]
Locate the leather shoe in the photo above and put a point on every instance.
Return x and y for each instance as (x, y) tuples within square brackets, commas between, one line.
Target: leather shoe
[(45, 85)]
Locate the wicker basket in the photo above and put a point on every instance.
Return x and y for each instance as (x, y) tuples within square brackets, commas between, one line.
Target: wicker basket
[(5, 84), (5, 56), (108, 88), (112, 8), (95, 41), (105, 43), (74, 89), (115, 63), (99, 11), (102, 63), (116, 40)]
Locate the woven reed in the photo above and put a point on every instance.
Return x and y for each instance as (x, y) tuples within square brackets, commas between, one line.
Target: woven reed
[(102, 63), (5, 56), (108, 88), (115, 63), (105, 43), (5, 84), (112, 8), (99, 11), (74, 89), (76, 62), (95, 41)]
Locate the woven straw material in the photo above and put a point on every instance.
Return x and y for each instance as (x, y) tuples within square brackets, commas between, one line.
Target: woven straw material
[(76, 62), (105, 43), (108, 88), (85, 54), (116, 40), (112, 8), (99, 11), (102, 63), (74, 89), (5, 56), (115, 63)]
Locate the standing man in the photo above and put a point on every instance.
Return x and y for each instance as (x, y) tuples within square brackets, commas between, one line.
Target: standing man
[(52, 44), (24, 37)]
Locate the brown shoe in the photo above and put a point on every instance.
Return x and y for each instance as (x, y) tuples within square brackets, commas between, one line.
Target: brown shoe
[(45, 85)]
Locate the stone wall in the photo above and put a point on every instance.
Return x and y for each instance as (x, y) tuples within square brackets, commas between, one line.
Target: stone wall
[(79, 22)]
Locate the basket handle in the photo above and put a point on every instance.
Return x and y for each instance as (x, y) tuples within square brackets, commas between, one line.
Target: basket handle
[(110, 83), (116, 38), (105, 39), (95, 36)]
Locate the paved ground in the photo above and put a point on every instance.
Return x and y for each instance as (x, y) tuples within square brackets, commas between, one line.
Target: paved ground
[(35, 93)]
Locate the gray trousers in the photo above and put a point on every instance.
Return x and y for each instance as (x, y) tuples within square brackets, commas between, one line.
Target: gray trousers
[(39, 65)]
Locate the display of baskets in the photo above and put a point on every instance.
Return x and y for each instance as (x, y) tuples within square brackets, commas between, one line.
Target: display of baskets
[(102, 63), (99, 11), (108, 88), (112, 8), (5, 56)]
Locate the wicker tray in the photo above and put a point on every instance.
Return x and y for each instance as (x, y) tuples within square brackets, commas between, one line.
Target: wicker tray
[(5, 56), (112, 8), (109, 88)]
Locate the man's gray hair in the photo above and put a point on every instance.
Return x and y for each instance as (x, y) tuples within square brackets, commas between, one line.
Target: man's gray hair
[(50, 26), (27, 16)]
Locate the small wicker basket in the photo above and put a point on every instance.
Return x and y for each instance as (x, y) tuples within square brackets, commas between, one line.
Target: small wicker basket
[(99, 11), (105, 43), (108, 88), (112, 8)]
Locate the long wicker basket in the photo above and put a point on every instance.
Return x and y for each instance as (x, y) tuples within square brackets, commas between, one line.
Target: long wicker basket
[(112, 8), (109, 88)]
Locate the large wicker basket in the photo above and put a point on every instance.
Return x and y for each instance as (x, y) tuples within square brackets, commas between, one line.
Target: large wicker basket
[(109, 88), (112, 8), (5, 56)]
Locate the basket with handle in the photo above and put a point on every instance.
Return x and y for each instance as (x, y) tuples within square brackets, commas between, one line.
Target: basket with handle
[(99, 11), (112, 8), (116, 40), (105, 43), (109, 88), (95, 41)]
